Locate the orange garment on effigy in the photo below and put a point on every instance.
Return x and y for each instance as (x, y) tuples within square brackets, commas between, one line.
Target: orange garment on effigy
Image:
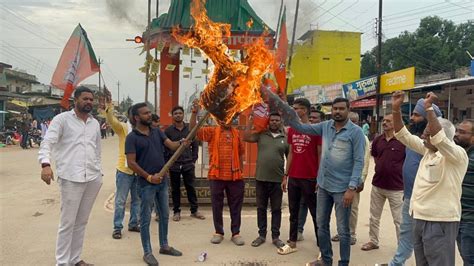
[(225, 150)]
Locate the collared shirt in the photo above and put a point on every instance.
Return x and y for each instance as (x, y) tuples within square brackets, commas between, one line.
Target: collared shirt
[(438, 183), (149, 150), (342, 154), (467, 198), (221, 146), (270, 157), (190, 154), (121, 129), (389, 157), (74, 145)]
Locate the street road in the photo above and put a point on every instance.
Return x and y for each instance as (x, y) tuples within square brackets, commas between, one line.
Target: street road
[(30, 214)]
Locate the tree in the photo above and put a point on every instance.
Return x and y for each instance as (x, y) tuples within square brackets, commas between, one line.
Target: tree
[(125, 104), (438, 45)]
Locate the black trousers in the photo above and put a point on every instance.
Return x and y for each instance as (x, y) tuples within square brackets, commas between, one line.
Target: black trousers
[(234, 191), (301, 188), (188, 180), (269, 191)]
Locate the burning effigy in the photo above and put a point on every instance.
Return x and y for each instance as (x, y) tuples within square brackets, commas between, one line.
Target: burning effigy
[(234, 85)]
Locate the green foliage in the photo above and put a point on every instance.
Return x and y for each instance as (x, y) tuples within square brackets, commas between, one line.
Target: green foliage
[(125, 104), (438, 45)]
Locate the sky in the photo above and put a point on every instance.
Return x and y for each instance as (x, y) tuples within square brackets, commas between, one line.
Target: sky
[(34, 32)]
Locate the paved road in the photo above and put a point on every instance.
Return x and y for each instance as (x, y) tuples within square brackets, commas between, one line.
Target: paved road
[(30, 213)]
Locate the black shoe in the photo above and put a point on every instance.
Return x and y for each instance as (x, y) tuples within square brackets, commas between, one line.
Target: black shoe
[(150, 259), (134, 229), (117, 234)]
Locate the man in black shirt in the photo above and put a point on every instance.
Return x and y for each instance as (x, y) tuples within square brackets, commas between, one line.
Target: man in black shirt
[(183, 166), (145, 152)]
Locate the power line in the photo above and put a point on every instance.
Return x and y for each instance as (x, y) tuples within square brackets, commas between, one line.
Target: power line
[(347, 8), (28, 21), (408, 12), (8, 46), (413, 24), (32, 32), (437, 14)]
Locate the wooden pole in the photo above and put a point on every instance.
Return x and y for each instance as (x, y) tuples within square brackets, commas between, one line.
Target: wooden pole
[(181, 148)]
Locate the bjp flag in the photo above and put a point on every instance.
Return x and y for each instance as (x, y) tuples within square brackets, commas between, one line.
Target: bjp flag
[(77, 62)]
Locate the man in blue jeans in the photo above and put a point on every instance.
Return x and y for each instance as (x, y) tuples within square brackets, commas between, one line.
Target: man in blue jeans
[(339, 172), (125, 180), (145, 152), (418, 124)]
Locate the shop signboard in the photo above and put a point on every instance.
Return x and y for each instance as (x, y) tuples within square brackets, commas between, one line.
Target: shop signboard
[(363, 103), (398, 80), (472, 68), (360, 89)]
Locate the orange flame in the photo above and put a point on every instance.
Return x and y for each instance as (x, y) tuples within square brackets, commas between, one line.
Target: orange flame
[(234, 86)]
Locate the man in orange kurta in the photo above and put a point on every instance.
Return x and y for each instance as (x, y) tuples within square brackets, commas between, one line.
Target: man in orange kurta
[(225, 175)]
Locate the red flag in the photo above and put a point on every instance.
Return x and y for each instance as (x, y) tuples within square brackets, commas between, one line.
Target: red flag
[(279, 66), (77, 62)]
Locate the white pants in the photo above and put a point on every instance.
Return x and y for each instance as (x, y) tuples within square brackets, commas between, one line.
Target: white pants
[(77, 200)]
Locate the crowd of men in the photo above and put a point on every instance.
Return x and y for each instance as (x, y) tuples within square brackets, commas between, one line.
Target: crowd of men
[(426, 172)]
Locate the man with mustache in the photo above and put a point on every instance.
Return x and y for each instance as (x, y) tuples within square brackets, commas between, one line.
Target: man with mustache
[(184, 166), (339, 173), (272, 150), (226, 151), (436, 201), (464, 137), (410, 166), (145, 151), (387, 183), (73, 140)]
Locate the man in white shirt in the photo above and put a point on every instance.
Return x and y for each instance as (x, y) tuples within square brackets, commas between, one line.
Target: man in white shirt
[(435, 204), (73, 140)]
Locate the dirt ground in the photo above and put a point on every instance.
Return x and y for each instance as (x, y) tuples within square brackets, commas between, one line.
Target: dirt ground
[(30, 214)]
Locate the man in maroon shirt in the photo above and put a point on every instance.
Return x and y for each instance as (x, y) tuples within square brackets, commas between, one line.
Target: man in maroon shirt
[(389, 154), (300, 176)]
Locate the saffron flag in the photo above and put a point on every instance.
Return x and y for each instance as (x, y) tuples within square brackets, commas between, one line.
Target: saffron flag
[(77, 62), (279, 65)]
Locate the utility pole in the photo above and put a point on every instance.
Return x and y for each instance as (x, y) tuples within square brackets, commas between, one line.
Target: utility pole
[(156, 56), (100, 73), (379, 66), (292, 43), (147, 47), (118, 94)]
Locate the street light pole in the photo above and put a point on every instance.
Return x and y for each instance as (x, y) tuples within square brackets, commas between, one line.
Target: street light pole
[(379, 66)]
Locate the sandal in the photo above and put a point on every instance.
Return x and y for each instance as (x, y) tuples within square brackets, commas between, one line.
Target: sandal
[(258, 241), (176, 217), (117, 234), (369, 246), (286, 249), (171, 251), (278, 243), (198, 215)]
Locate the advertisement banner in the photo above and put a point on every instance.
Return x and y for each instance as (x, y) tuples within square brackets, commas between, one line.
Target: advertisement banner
[(396, 81), (317, 94), (361, 88), (331, 92)]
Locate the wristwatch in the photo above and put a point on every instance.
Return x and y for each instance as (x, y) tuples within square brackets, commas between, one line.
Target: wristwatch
[(352, 188)]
